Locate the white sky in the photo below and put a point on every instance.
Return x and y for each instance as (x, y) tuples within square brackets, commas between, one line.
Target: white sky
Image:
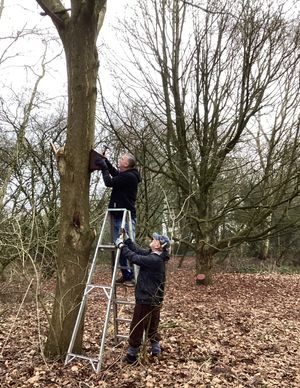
[(20, 14), (25, 14)]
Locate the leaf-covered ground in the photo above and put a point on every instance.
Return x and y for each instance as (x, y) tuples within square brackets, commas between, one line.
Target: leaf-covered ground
[(242, 331)]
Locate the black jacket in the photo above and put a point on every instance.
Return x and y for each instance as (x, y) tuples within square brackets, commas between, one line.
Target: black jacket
[(151, 279), (124, 187)]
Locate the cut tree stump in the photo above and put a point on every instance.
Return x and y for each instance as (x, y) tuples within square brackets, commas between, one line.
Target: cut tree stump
[(200, 279)]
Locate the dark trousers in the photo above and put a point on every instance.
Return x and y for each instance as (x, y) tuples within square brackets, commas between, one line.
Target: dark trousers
[(145, 319)]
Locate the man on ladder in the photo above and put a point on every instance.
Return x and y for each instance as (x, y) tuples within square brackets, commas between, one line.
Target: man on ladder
[(124, 183)]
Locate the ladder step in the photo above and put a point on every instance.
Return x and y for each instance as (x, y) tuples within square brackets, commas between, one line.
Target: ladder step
[(91, 286), (71, 356), (123, 320), (124, 301), (122, 336), (107, 246)]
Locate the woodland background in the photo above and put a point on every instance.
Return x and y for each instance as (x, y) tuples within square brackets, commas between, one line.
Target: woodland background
[(207, 98), (241, 331)]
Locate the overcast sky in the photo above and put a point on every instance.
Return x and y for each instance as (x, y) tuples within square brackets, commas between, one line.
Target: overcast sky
[(25, 14)]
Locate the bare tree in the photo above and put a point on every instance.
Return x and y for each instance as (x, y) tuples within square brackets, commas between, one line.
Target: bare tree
[(201, 88), (21, 131), (19, 177), (32, 195), (78, 28)]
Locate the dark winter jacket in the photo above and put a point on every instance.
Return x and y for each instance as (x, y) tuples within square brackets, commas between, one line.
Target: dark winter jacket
[(152, 273), (124, 187)]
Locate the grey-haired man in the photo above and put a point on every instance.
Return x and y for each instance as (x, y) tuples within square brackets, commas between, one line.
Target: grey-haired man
[(124, 182)]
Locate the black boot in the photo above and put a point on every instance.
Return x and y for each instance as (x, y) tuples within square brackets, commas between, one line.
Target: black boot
[(129, 359)]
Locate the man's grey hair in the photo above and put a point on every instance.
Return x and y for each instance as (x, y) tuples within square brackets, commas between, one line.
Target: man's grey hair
[(131, 160)]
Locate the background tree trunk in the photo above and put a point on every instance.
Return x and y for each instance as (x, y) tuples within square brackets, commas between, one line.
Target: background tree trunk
[(204, 260)]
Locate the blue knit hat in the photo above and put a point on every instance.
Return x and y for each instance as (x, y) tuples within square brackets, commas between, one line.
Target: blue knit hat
[(164, 240)]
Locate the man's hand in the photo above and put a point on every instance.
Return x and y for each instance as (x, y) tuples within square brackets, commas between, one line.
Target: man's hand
[(119, 243), (101, 163), (123, 235)]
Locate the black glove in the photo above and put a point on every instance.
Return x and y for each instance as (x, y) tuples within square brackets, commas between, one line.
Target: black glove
[(101, 163)]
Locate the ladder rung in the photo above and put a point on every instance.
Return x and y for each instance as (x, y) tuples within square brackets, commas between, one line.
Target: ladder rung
[(91, 286), (122, 336), (123, 320), (106, 247), (73, 355), (124, 301)]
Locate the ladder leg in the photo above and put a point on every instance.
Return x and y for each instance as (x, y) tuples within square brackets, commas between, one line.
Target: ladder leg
[(77, 325), (108, 311)]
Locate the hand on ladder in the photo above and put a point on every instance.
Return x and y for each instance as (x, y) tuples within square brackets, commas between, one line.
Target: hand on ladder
[(120, 240), (123, 234)]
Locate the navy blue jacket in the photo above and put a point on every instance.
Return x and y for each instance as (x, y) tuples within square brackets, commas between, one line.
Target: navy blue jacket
[(151, 279), (124, 187)]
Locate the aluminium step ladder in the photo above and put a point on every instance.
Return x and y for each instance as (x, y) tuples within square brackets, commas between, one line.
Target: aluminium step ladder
[(113, 300)]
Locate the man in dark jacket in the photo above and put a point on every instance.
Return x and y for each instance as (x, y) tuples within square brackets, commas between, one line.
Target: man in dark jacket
[(149, 292), (124, 183)]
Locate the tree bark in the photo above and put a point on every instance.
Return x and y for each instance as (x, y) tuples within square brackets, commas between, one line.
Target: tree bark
[(204, 261)]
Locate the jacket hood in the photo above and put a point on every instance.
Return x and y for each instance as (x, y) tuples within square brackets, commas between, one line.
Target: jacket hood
[(136, 173)]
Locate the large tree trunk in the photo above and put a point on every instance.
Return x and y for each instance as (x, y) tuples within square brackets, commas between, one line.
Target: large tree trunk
[(78, 32), (74, 237)]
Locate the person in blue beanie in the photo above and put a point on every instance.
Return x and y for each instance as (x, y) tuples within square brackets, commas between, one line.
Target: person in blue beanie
[(149, 292)]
